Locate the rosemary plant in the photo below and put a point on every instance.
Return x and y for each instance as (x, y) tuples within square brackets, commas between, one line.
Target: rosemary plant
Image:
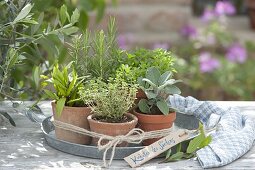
[(98, 54)]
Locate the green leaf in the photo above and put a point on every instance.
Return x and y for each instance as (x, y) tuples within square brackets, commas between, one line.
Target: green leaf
[(63, 14), (36, 76), (59, 85), (206, 142), (171, 82), (50, 94), (172, 89), (143, 106), (168, 153), (83, 20), (71, 85), (153, 74), (195, 143), (164, 77), (140, 82), (175, 157), (29, 21), (23, 13), (149, 82), (75, 16), (7, 116), (179, 147), (201, 129), (78, 84), (65, 76), (60, 106), (70, 30), (34, 28), (56, 76), (100, 9), (150, 94), (188, 155), (168, 83), (61, 37), (13, 57), (163, 107)]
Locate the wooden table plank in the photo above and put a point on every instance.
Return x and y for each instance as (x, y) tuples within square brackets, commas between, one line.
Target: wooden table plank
[(23, 147)]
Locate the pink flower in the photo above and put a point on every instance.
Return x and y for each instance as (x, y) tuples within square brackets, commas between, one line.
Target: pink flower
[(189, 31), (122, 41), (207, 63), (236, 53), (224, 8), (125, 40), (208, 14)]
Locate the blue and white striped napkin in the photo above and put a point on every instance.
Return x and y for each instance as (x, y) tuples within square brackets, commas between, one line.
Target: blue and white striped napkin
[(234, 134)]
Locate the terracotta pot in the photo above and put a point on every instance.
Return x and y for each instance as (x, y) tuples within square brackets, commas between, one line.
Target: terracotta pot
[(140, 95), (111, 129), (154, 122), (76, 116)]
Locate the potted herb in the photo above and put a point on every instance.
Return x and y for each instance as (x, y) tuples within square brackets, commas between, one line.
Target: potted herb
[(67, 105), (153, 113), (134, 65), (96, 54), (110, 103)]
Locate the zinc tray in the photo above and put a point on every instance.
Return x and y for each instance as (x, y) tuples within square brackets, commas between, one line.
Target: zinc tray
[(81, 150), (89, 151)]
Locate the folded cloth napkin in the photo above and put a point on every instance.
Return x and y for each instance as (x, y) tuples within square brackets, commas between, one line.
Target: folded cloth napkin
[(234, 134)]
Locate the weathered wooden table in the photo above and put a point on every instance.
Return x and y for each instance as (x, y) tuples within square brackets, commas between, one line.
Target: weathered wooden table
[(24, 147)]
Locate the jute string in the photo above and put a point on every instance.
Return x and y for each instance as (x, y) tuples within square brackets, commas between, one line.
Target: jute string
[(134, 136)]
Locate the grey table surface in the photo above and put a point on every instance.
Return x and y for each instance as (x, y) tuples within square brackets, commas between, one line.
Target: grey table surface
[(24, 147)]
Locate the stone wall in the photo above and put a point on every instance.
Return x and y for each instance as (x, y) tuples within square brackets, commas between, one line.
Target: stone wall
[(146, 22)]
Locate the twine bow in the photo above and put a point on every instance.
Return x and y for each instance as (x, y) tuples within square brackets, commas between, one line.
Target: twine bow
[(134, 136)]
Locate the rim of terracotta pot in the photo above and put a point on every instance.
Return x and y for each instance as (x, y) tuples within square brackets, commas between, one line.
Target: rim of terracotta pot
[(134, 120), (53, 104), (155, 118)]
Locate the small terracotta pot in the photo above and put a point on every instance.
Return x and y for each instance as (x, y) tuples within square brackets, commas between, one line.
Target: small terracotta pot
[(76, 116), (111, 129), (140, 95), (154, 122)]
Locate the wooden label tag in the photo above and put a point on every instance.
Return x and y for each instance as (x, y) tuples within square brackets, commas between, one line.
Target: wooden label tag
[(153, 150)]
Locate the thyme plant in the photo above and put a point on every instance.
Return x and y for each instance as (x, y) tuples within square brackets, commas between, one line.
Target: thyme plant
[(109, 101)]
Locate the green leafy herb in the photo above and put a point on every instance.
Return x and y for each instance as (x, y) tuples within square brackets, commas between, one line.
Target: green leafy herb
[(157, 88), (195, 144), (109, 101), (66, 87)]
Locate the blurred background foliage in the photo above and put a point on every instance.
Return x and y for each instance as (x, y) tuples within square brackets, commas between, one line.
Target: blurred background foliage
[(214, 64), (32, 36)]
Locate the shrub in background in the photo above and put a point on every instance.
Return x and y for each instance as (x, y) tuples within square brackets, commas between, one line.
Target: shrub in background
[(36, 34), (213, 63)]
